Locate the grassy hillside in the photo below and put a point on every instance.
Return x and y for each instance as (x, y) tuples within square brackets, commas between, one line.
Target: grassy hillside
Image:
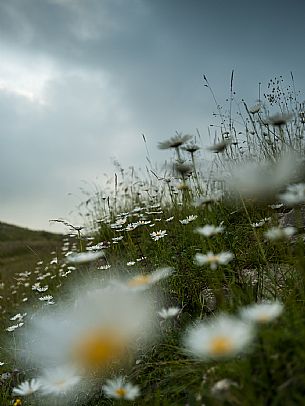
[(21, 248)]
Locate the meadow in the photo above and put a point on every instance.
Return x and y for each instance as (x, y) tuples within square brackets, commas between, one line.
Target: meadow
[(185, 284)]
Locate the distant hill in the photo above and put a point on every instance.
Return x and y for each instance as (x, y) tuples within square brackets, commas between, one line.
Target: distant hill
[(21, 248)]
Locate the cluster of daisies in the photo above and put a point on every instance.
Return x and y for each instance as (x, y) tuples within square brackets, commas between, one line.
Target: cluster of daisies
[(106, 324)]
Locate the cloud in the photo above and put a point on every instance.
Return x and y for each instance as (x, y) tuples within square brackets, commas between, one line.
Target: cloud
[(80, 81)]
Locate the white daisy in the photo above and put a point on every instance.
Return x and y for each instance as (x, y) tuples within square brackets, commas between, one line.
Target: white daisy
[(14, 327), (279, 233), (104, 267), (209, 230), (19, 317), (188, 219), (42, 288), (223, 258), (170, 312), (59, 380), (156, 235), (222, 337), (262, 312), (46, 298), (261, 222), (27, 387), (119, 389)]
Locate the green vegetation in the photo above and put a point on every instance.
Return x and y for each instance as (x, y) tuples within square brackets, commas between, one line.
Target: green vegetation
[(149, 222)]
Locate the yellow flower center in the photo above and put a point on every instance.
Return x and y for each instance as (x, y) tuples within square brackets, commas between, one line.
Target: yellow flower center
[(99, 349), (139, 280), (213, 258), (60, 383), (221, 346), (121, 392), (263, 318), (17, 402)]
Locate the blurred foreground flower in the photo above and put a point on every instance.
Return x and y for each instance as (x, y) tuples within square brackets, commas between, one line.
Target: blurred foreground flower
[(262, 312), (209, 230), (84, 257), (278, 120), (170, 312), (141, 282), (119, 389), (294, 195), (264, 180), (59, 380), (221, 389), (27, 388), (220, 146), (222, 337), (223, 258), (174, 142), (279, 233), (100, 331)]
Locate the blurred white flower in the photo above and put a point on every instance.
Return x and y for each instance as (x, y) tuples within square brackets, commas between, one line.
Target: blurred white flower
[(119, 389), (221, 337), (220, 146), (174, 142), (263, 180), (27, 387), (84, 257), (59, 380), (294, 195), (255, 109), (262, 312), (276, 206), (142, 282), (170, 312), (279, 119), (221, 388), (279, 233), (209, 230), (97, 334), (223, 258)]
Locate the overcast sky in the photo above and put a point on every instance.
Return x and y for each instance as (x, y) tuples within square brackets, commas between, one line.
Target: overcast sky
[(81, 80)]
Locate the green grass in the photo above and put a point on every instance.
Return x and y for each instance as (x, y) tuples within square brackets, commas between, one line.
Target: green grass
[(272, 371)]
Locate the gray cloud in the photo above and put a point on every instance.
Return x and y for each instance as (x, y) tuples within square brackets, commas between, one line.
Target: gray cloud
[(81, 80)]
